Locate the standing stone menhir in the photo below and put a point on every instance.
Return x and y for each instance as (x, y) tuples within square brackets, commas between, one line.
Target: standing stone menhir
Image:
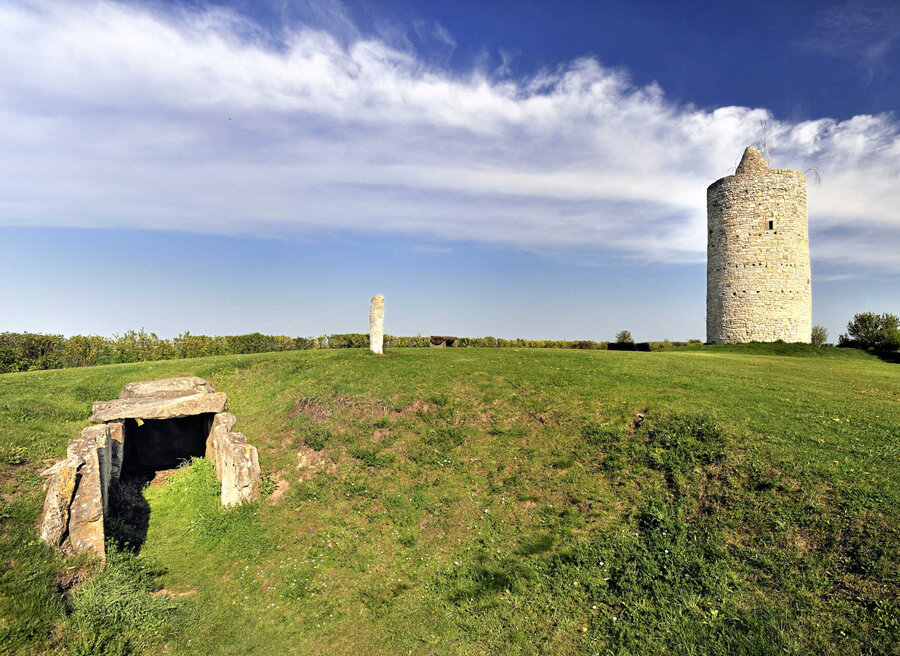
[(376, 324)]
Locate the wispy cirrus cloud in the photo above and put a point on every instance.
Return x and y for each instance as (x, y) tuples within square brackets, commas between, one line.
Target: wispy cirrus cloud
[(864, 30), (120, 115)]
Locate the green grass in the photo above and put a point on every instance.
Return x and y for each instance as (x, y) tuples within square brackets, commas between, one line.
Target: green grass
[(470, 501), (798, 350)]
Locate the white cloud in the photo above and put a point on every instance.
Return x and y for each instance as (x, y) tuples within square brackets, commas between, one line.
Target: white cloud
[(864, 30), (429, 249), (113, 115)]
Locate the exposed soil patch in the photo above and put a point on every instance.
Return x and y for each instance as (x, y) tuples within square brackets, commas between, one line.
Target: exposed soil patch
[(544, 418), (310, 407), (161, 477), (361, 407), (281, 487), (174, 595), (70, 579), (310, 461), (419, 406), (317, 411)]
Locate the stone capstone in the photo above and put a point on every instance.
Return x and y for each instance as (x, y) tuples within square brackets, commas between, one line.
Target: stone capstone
[(376, 324), (166, 388), (159, 408)]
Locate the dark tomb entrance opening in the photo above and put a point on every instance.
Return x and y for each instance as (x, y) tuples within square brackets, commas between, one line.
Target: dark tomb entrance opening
[(152, 447)]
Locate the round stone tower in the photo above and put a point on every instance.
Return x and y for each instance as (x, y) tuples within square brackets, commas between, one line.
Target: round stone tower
[(757, 270)]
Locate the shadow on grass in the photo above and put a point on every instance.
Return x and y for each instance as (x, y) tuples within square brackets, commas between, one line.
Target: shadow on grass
[(129, 512), (893, 358)]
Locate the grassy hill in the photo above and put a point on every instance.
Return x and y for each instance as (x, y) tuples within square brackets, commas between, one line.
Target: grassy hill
[(471, 501)]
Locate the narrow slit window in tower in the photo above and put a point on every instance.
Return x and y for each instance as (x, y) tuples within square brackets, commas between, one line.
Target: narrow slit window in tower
[(771, 225)]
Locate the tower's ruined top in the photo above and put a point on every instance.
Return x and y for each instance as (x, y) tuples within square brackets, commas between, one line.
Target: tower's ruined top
[(751, 162)]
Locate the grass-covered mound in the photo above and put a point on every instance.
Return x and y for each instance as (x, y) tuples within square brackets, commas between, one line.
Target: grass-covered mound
[(487, 501)]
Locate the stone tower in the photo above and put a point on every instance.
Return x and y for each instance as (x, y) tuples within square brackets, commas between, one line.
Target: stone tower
[(757, 270)]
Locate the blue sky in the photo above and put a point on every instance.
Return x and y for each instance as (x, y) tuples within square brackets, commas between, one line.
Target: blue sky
[(521, 169)]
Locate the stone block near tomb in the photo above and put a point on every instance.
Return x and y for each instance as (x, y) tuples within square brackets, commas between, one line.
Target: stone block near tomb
[(239, 467)]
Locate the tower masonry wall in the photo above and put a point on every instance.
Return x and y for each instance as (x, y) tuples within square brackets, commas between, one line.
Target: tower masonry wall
[(758, 273)]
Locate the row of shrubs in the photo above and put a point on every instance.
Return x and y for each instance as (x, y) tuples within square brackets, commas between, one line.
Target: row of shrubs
[(868, 330), (34, 351)]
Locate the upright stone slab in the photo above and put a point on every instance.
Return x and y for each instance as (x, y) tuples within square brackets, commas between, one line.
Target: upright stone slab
[(86, 513), (376, 324), (227, 421), (60, 486), (117, 449), (239, 467)]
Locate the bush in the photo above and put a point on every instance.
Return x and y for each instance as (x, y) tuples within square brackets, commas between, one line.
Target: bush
[(620, 346), (15, 455), (393, 341), (624, 337), (819, 336), (587, 344), (890, 340), (258, 343), (868, 330), (348, 340), (28, 351)]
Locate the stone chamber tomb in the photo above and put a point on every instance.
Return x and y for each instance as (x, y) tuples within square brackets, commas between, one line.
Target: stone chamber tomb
[(153, 426), (442, 341)]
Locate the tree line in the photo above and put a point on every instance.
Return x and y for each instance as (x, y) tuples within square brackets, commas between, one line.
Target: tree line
[(37, 351)]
